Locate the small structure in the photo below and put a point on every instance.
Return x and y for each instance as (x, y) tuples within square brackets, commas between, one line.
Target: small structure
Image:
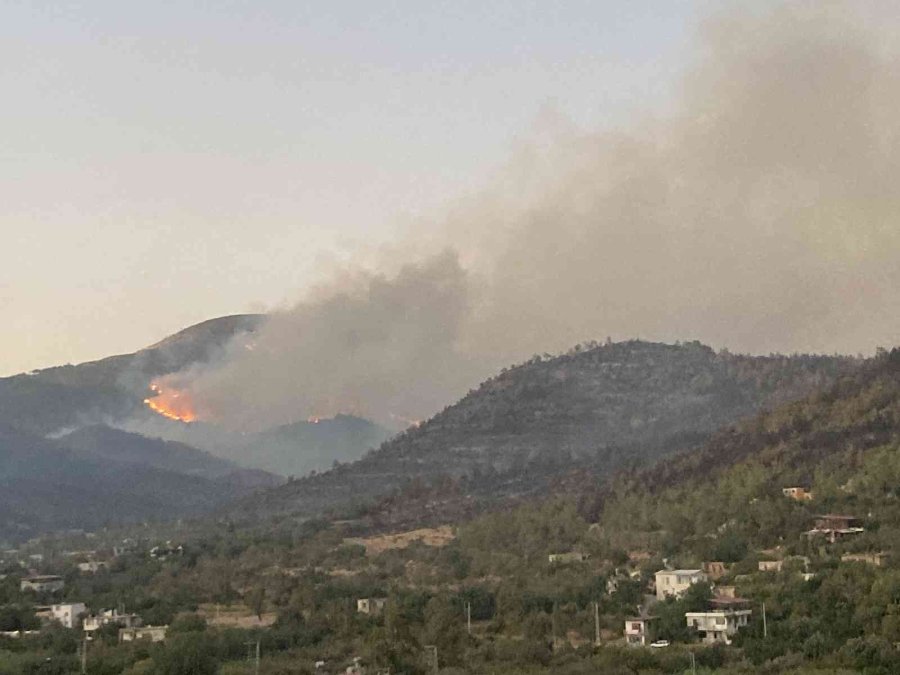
[(152, 633), (370, 605), (675, 583), (570, 557), (45, 583), (770, 565), (724, 592), (715, 570), (166, 552), (639, 631), (108, 616), (725, 617), (800, 494), (835, 526), (876, 559), (92, 566), (68, 614)]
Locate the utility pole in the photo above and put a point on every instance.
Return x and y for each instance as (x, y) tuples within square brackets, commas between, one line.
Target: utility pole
[(765, 627), (693, 665), (253, 654), (433, 657), (84, 656), (596, 623), (469, 617)]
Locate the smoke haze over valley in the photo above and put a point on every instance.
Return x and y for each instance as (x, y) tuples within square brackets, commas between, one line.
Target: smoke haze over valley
[(759, 214)]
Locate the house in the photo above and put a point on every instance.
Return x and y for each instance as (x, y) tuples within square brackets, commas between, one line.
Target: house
[(166, 552), (370, 605), (152, 633), (676, 582), (715, 570), (876, 559), (835, 526), (92, 566), (639, 630), (725, 592), (724, 618), (800, 494), (570, 557), (68, 614), (94, 622), (42, 584), (770, 565)]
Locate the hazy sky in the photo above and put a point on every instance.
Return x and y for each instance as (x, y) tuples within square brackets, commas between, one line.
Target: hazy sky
[(168, 162)]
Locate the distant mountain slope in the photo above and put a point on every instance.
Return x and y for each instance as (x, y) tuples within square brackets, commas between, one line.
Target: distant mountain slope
[(99, 442), (47, 400), (603, 407), (47, 486), (859, 412)]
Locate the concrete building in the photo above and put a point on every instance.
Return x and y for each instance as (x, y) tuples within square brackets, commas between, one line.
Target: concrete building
[(42, 584), (715, 570), (570, 557), (800, 494), (92, 566), (876, 559), (639, 631), (370, 605), (68, 614), (108, 616), (152, 633), (676, 582), (724, 618), (835, 526), (770, 565)]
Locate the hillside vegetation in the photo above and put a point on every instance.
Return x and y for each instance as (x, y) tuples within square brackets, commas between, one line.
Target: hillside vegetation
[(600, 407)]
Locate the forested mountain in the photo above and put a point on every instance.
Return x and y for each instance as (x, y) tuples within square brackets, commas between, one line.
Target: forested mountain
[(45, 401), (602, 407), (99, 442), (46, 486)]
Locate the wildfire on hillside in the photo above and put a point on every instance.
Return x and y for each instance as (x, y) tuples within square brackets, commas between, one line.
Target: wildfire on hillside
[(171, 403)]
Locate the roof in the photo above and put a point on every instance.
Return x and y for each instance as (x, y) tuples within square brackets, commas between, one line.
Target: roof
[(726, 602), (641, 618), (839, 516), (680, 572)]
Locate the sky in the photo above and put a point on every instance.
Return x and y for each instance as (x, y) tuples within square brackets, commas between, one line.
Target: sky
[(168, 162)]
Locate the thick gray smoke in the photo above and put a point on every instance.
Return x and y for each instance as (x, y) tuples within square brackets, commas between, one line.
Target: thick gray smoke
[(762, 215)]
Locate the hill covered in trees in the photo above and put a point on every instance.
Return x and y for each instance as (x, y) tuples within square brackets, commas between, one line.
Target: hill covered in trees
[(600, 407)]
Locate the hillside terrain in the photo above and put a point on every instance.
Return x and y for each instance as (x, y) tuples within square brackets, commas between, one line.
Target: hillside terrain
[(67, 397), (550, 584), (294, 449), (599, 407), (108, 478)]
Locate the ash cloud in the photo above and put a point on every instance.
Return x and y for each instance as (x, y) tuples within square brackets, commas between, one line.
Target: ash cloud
[(761, 215)]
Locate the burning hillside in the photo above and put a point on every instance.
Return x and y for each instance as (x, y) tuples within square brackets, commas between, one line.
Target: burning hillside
[(171, 403)]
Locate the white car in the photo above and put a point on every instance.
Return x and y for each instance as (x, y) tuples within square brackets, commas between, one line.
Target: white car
[(659, 644)]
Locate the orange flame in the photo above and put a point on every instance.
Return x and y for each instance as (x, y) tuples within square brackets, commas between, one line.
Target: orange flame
[(171, 403)]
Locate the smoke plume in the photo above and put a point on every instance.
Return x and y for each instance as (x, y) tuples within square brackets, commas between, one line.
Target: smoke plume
[(761, 215)]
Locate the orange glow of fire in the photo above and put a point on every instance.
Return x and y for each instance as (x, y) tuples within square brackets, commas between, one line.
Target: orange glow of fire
[(171, 403)]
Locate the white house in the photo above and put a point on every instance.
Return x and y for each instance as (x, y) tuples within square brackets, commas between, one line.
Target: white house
[(569, 557), (68, 614), (725, 616), (718, 625), (370, 605), (92, 566), (639, 631), (42, 584), (676, 582), (108, 616), (152, 633)]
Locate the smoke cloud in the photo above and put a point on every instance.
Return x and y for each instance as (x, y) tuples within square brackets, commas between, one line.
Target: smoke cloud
[(761, 215)]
